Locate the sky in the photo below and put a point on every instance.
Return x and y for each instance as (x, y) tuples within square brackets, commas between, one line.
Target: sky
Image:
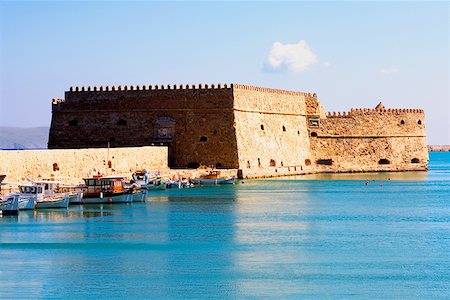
[(352, 54)]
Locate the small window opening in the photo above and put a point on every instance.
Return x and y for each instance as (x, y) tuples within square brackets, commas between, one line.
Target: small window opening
[(203, 139), (55, 167), (415, 161), (248, 164), (109, 164), (284, 128), (218, 165), (402, 122), (273, 163), (419, 122), (193, 165), (262, 127), (384, 161), (259, 163), (122, 122), (73, 123), (307, 162), (314, 134), (298, 132), (327, 162), (282, 163)]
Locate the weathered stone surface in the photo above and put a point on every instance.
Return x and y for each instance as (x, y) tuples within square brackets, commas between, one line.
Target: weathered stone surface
[(259, 131), (79, 163)]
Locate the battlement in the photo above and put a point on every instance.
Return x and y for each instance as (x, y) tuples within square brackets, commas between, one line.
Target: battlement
[(156, 87), (273, 91), (361, 111), (200, 86)]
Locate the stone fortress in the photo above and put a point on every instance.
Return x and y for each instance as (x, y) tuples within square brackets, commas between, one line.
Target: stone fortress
[(259, 132)]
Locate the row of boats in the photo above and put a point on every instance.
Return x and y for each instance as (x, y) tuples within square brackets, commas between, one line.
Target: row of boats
[(98, 189)]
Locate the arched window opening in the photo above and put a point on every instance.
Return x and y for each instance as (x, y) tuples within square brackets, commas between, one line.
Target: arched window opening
[(314, 134), (402, 122), (415, 161), (248, 164), (284, 128), (273, 163), (419, 122), (203, 139), (262, 127), (122, 122), (55, 167), (282, 163), (109, 164), (298, 132), (384, 161), (193, 165), (73, 122), (327, 162), (218, 165), (307, 162)]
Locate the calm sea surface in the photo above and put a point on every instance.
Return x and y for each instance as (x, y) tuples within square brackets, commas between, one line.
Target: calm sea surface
[(327, 236)]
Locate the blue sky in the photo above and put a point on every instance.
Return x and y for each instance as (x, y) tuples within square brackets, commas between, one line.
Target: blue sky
[(352, 54)]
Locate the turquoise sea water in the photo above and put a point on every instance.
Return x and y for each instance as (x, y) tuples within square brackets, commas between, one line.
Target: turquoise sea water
[(301, 237)]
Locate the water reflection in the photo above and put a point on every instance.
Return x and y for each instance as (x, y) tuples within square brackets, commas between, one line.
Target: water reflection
[(422, 175)]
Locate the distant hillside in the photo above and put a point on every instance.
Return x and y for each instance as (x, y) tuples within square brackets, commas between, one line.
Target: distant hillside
[(23, 138)]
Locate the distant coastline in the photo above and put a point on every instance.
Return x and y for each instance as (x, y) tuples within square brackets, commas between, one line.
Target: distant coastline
[(438, 148)]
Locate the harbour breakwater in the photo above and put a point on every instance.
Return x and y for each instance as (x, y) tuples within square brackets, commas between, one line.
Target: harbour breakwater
[(71, 165)]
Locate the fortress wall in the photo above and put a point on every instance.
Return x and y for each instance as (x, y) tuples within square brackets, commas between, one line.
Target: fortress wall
[(367, 122), (270, 151), (190, 122), (313, 106), (363, 154), (358, 141), (79, 163)]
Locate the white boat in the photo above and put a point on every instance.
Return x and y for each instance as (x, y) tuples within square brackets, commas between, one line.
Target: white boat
[(142, 179), (107, 189), (9, 205), (213, 181), (75, 197), (41, 194)]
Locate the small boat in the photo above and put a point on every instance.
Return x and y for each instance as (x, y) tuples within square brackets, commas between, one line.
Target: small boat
[(106, 189), (9, 205), (220, 180), (144, 180), (41, 195), (214, 178)]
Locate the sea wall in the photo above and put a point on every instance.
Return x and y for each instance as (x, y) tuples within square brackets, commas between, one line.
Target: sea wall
[(79, 163)]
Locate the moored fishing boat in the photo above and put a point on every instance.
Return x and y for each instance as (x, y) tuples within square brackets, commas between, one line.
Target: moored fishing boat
[(213, 177), (139, 196), (144, 180), (107, 189), (41, 195), (9, 205)]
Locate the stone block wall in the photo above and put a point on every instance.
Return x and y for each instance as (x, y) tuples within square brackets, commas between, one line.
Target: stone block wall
[(271, 133), (190, 120), (370, 140), (74, 164)]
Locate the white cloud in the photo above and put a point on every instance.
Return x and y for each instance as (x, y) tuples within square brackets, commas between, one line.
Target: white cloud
[(294, 57), (388, 71)]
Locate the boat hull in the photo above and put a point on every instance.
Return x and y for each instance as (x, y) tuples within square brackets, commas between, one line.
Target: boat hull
[(53, 203), (10, 206), (140, 196), (27, 203), (123, 198), (207, 181), (76, 198)]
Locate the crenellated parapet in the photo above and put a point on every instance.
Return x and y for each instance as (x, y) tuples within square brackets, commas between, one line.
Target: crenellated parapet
[(389, 110), (161, 87), (269, 90)]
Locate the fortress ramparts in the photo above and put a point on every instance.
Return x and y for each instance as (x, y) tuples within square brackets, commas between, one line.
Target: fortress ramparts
[(258, 131)]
